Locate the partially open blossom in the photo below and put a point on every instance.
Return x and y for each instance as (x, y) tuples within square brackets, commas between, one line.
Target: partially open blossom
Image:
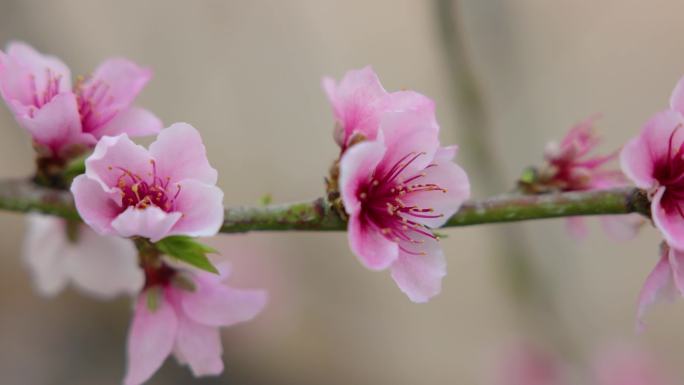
[(38, 90), (665, 281), (102, 266), (573, 167), (359, 100), (654, 161), (396, 189), (168, 190), (188, 311)]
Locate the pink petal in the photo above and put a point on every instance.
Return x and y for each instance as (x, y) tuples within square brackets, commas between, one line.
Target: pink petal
[(133, 121), (420, 276), (122, 79), (99, 266), (57, 124), (408, 133), (151, 222), (356, 102), (677, 98), (622, 227), (577, 227), (95, 206), (103, 266), (43, 243), (624, 365), (114, 156), (676, 260), (449, 176), (670, 224), (409, 101), (356, 168), (23, 70), (180, 154), (446, 154), (640, 154), (199, 346), (373, 249), (150, 340), (202, 208), (214, 304), (657, 286)]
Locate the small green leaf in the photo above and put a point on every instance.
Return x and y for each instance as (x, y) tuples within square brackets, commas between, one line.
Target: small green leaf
[(152, 299), (529, 176), (266, 199), (188, 250), (75, 168)]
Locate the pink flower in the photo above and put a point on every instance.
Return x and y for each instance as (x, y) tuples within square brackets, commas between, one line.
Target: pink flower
[(628, 366), (37, 88), (185, 322), (103, 267), (395, 190), (664, 282), (654, 161), (527, 364), (573, 167), (359, 101), (169, 190)]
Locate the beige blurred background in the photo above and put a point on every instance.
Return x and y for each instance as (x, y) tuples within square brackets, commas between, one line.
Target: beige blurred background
[(247, 74)]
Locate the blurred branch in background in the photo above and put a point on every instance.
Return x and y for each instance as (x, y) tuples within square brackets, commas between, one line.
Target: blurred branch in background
[(317, 215), (478, 147)]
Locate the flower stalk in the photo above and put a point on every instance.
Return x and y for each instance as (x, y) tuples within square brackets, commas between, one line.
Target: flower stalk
[(21, 195)]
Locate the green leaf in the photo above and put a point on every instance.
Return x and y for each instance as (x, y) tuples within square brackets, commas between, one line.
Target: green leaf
[(188, 250), (75, 168), (266, 199), (152, 299)]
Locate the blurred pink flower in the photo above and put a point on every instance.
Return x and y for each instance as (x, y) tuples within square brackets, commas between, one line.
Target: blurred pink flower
[(359, 100), (666, 279), (526, 364), (624, 366), (654, 160), (168, 190), (100, 266), (396, 189), (185, 321), (574, 168), (38, 90)]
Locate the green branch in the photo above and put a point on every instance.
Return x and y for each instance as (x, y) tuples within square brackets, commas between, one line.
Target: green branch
[(317, 215)]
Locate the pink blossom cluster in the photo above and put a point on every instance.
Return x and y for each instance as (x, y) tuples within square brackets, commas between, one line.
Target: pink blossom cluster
[(60, 115), (396, 181), (127, 192)]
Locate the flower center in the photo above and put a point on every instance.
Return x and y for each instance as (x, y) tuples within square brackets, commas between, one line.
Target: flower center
[(49, 91), (669, 171), (141, 193), (91, 101), (383, 202), (158, 275)]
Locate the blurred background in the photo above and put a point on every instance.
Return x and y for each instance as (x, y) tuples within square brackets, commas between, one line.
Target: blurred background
[(507, 76)]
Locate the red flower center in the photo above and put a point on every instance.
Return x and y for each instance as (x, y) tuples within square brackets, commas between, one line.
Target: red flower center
[(669, 171), (141, 193), (383, 203)]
